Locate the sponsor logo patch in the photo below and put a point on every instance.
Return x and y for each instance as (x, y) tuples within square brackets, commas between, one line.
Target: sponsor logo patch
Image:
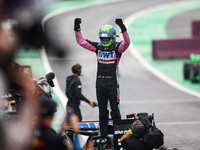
[(106, 62), (106, 55)]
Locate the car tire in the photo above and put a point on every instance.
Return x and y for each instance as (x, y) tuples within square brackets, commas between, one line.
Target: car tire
[(186, 70), (194, 71)]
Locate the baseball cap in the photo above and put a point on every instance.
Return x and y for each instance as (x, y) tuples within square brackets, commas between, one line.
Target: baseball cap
[(48, 106)]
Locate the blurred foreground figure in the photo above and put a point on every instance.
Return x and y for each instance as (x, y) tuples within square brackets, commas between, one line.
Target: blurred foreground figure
[(28, 15), (20, 25), (44, 136), (16, 133)]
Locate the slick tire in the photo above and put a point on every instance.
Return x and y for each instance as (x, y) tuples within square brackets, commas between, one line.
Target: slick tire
[(194, 71), (186, 70)]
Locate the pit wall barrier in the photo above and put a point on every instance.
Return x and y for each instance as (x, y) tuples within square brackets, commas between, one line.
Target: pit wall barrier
[(196, 28), (178, 48)]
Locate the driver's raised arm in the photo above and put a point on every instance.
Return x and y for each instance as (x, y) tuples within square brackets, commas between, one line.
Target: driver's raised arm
[(126, 40), (79, 38)]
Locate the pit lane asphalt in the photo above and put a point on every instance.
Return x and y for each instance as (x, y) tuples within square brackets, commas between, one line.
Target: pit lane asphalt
[(176, 113)]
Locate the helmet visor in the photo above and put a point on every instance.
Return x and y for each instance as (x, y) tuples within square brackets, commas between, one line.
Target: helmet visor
[(101, 35), (106, 35), (105, 38)]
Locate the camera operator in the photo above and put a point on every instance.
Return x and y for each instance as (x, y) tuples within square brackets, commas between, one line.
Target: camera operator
[(133, 138)]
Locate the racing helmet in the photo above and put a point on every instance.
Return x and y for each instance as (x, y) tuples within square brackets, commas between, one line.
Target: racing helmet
[(107, 31)]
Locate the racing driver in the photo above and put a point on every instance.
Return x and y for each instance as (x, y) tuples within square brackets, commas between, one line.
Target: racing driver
[(108, 53)]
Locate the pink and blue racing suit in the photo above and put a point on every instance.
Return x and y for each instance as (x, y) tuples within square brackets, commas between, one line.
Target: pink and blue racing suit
[(107, 86)]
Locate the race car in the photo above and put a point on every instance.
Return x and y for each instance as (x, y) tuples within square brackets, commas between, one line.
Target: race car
[(89, 131), (191, 70)]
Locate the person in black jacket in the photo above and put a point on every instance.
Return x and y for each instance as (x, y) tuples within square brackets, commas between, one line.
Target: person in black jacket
[(44, 136), (73, 92)]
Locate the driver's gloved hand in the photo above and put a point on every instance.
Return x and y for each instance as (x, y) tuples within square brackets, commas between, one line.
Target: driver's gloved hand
[(120, 23), (77, 23)]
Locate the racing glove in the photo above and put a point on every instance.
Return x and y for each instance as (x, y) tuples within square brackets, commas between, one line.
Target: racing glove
[(119, 22), (77, 23)]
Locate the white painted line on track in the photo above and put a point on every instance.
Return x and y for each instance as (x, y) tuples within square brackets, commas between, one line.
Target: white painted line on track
[(64, 10), (136, 54)]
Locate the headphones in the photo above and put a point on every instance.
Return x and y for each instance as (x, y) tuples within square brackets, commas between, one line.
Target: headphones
[(78, 69)]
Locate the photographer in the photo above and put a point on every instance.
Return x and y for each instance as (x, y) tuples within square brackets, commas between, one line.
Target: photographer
[(133, 138)]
